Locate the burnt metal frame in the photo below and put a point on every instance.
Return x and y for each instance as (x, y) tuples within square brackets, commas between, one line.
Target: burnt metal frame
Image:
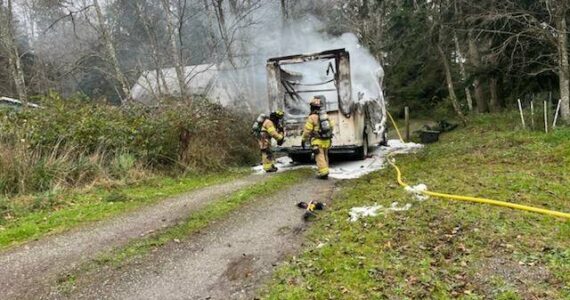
[(335, 54)]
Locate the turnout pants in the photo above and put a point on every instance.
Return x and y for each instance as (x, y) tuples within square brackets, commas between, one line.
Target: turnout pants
[(267, 159), (322, 159), (321, 150), (266, 153)]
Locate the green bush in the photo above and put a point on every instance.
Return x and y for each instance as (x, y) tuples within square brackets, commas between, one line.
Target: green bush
[(72, 142), (122, 164)]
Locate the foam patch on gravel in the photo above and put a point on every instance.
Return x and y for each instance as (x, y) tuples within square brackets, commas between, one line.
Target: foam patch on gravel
[(353, 169), (283, 164)]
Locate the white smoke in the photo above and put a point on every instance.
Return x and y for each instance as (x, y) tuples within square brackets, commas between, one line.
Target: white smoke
[(267, 38)]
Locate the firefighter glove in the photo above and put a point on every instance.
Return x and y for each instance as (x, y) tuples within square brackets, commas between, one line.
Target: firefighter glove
[(316, 150)]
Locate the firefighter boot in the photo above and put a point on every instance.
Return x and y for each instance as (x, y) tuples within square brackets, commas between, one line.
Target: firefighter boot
[(267, 160)]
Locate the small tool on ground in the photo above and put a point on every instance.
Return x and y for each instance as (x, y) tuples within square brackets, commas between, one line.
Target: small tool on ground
[(310, 208)]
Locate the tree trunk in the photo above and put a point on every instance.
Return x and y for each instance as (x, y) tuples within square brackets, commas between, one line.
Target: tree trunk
[(564, 72), (492, 58), (495, 104), (7, 37), (111, 53), (463, 72), (475, 59), (450, 85), (19, 78), (211, 41), (219, 9), (159, 66), (174, 49)]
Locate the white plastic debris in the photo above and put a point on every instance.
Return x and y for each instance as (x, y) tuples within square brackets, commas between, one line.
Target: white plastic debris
[(417, 191), (372, 211)]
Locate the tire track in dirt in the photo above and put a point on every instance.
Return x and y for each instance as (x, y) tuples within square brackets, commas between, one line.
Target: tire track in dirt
[(29, 270), (229, 260)]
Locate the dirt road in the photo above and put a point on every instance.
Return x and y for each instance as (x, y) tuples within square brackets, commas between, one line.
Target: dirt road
[(228, 261), (30, 270)]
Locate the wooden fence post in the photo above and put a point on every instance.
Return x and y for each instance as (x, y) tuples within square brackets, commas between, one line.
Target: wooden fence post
[(556, 114), (407, 118), (522, 116), (532, 115), (546, 116)]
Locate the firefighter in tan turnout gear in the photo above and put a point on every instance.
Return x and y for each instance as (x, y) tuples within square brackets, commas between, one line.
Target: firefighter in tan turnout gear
[(265, 129), (318, 131)]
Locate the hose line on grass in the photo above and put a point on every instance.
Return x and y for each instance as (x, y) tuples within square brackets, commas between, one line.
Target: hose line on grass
[(475, 199), (395, 127)]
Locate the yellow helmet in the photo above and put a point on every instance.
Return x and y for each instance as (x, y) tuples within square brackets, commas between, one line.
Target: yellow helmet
[(315, 101), (279, 114)]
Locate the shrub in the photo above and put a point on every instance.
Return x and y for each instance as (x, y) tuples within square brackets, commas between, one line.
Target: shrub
[(73, 143)]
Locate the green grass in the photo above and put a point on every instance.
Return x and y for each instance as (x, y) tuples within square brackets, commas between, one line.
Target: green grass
[(443, 249), (216, 211), (75, 208)]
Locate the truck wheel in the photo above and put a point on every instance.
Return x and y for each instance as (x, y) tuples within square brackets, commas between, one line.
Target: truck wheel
[(302, 158), (362, 152)]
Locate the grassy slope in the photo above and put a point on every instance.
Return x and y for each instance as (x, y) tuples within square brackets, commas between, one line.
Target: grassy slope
[(444, 249), (67, 210)]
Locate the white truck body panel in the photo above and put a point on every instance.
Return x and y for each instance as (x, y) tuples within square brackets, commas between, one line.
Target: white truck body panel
[(356, 124)]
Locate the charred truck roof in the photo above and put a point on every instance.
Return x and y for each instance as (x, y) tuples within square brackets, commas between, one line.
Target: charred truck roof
[(286, 88)]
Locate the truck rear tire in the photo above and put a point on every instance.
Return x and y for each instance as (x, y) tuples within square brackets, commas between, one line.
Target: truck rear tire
[(362, 152), (302, 158)]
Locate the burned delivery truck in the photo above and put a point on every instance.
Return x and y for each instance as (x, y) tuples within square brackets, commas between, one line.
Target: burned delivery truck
[(359, 119)]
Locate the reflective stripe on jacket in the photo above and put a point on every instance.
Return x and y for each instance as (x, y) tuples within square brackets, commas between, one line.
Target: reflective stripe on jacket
[(269, 128), (311, 131)]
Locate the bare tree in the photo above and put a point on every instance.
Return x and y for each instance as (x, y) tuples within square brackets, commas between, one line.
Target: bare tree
[(561, 12), (475, 59), (171, 22), (211, 40), (461, 58), (518, 29), (440, 36), (156, 57), (450, 85), (226, 38), (9, 44), (495, 102), (110, 49)]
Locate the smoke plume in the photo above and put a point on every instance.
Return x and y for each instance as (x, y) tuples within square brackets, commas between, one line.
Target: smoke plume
[(267, 35)]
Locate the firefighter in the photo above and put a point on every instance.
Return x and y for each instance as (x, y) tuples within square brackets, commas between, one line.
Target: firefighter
[(271, 128), (318, 131)]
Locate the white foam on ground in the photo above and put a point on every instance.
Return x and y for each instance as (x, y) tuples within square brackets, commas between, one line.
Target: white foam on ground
[(283, 164), (353, 169), (357, 213), (417, 191)]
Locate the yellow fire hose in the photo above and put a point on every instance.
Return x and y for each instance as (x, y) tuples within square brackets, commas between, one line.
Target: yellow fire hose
[(473, 199)]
